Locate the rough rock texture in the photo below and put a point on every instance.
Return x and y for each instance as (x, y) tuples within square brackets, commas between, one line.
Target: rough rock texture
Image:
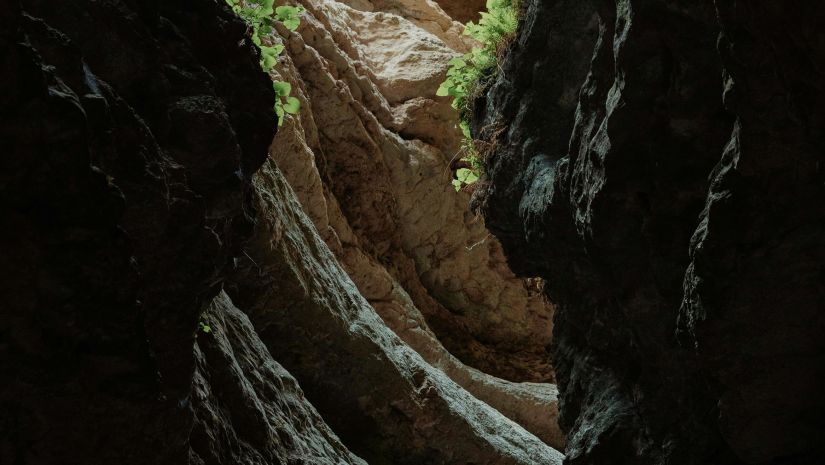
[(387, 403), (369, 157), (130, 132), (248, 409), (682, 239), (373, 176), (753, 307)]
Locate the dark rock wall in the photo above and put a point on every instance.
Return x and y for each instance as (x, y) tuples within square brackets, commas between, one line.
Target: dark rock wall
[(248, 408), (670, 190), (753, 304), (130, 132)]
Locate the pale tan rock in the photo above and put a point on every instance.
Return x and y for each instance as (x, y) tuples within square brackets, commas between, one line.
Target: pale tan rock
[(408, 62), (374, 177), (426, 14), (463, 10), (395, 194)]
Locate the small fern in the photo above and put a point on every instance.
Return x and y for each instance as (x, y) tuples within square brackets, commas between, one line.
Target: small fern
[(469, 73)]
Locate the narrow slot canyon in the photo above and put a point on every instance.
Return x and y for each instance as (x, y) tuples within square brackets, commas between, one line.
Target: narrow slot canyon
[(412, 232)]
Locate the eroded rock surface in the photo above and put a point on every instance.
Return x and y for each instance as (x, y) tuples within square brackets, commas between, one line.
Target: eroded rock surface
[(680, 238), (248, 409), (370, 160), (384, 400)]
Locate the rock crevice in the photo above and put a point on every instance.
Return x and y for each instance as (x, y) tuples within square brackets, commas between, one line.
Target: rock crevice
[(371, 167), (162, 276)]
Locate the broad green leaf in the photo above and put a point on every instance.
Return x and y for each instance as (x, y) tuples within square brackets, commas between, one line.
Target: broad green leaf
[(268, 61), (282, 88), (466, 175), (292, 105), (288, 11), (266, 7), (457, 63), (465, 129), (292, 23), (258, 14), (289, 16)]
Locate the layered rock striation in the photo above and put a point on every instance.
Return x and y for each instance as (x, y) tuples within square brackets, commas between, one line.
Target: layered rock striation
[(384, 400), (369, 157), (660, 166)]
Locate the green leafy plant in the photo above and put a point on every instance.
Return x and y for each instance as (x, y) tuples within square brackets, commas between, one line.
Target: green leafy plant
[(464, 176), (285, 103), (261, 15), (289, 16), (205, 328), (468, 74)]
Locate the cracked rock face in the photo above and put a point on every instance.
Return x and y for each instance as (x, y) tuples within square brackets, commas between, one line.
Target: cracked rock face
[(659, 166)]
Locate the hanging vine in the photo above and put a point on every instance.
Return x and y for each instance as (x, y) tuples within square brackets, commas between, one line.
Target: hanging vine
[(261, 15)]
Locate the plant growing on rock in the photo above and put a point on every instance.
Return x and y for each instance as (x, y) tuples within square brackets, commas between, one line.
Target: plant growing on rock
[(261, 15), (469, 74), (204, 328)]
